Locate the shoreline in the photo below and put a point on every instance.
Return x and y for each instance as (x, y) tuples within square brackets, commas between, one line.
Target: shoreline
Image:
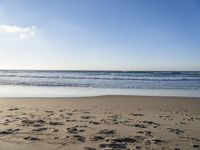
[(34, 91), (103, 96)]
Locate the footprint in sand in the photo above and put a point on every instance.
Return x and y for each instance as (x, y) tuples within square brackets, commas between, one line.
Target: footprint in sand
[(176, 131), (140, 126), (87, 117), (76, 137), (107, 132), (196, 146), (31, 138), (94, 122), (89, 148), (56, 123), (35, 123), (75, 130), (146, 133), (118, 143), (97, 138), (9, 131), (40, 129), (136, 114), (79, 138), (13, 109), (151, 123)]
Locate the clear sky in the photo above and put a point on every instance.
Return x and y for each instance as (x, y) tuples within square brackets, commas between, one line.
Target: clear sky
[(100, 34)]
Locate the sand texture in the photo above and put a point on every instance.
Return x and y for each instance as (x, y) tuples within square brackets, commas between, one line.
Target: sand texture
[(95, 123)]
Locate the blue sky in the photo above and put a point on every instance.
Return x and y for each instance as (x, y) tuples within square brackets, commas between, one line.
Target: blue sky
[(100, 34)]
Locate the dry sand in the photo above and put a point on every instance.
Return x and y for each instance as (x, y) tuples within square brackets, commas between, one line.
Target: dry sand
[(107, 122)]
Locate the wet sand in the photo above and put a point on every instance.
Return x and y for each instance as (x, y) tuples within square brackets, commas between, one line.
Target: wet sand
[(106, 122)]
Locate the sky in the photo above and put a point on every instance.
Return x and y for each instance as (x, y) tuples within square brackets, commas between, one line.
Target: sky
[(100, 34)]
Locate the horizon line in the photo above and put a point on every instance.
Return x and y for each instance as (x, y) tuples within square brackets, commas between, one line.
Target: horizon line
[(78, 70)]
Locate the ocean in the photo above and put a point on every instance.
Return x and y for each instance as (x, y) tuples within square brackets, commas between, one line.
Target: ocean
[(93, 83)]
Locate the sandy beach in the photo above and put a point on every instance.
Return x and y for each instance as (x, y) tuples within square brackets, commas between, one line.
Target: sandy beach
[(105, 122)]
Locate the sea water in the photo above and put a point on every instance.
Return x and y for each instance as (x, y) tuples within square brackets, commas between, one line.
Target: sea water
[(34, 83)]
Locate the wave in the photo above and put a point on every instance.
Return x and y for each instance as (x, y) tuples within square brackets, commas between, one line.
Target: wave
[(103, 79), (108, 78), (114, 86)]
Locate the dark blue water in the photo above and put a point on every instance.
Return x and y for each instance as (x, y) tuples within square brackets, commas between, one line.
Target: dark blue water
[(103, 79)]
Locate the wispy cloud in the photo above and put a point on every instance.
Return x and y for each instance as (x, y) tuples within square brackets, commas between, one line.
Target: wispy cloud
[(20, 32)]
